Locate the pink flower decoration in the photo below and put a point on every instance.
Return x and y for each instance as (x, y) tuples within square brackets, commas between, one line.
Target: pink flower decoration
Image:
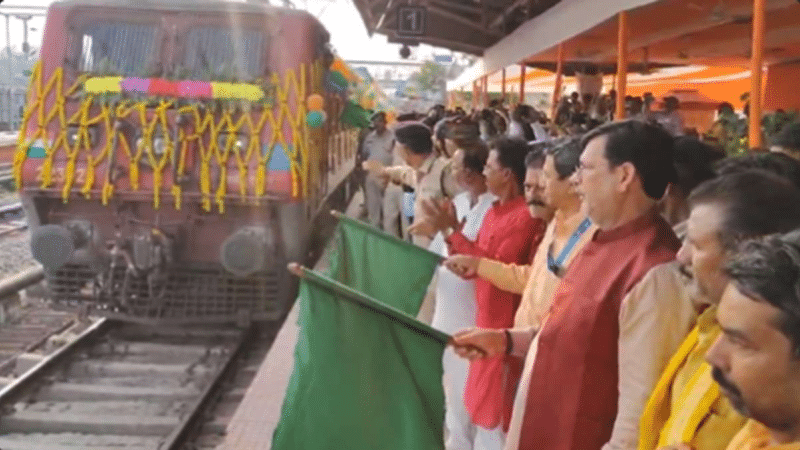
[(135, 85), (194, 89)]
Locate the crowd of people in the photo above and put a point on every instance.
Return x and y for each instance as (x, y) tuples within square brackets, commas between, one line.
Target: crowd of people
[(617, 286)]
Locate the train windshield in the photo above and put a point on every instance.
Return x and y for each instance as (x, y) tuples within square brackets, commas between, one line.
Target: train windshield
[(223, 54), (117, 48)]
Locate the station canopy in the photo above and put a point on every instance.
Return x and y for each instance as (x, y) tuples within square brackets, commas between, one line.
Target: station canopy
[(715, 84), (663, 33), (462, 25)]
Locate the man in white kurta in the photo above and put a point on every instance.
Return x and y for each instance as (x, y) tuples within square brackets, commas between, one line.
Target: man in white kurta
[(455, 297)]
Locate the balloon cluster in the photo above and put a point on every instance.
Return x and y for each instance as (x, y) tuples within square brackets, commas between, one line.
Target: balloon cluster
[(339, 77), (316, 115)]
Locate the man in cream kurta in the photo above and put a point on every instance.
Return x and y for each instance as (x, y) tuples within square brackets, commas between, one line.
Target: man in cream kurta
[(640, 313), (537, 281), (642, 326)]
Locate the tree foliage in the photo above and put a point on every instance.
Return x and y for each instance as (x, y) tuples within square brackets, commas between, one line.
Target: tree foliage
[(430, 78)]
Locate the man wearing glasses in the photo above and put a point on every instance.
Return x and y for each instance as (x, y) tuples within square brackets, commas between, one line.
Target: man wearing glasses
[(572, 384), (566, 234)]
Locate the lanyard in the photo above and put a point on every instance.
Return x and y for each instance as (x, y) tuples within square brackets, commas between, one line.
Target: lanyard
[(555, 265)]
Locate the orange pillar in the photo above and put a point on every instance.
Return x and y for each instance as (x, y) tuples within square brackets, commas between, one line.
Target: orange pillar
[(756, 74), (503, 85), (522, 83), (486, 91), (622, 64), (475, 94), (559, 79)]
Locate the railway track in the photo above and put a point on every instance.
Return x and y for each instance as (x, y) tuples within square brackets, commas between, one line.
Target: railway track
[(209, 432), (12, 218), (119, 386), (6, 175)]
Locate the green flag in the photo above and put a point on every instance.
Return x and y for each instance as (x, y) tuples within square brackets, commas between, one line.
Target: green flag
[(388, 269), (354, 115), (366, 377)]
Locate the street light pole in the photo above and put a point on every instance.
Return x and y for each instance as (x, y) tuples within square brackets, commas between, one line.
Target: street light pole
[(25, 19), (8, 44)]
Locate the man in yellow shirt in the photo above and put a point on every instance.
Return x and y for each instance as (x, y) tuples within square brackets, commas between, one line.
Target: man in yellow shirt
[(756, 358), (686, 406)]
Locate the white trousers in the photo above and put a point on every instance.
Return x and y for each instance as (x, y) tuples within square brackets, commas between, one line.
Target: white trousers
[(460, 431), (374, 189), (494, 439), (462, 434), (392, 205)]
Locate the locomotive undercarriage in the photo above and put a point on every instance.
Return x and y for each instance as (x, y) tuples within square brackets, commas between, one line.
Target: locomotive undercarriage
[(140, 264), (198, 293)]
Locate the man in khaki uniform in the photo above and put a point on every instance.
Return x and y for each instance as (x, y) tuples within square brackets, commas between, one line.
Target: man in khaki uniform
[(430, 175)]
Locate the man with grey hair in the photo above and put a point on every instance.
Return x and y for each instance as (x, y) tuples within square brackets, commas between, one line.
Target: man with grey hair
[(756, 359)]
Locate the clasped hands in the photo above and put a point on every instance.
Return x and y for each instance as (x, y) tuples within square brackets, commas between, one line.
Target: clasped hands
[(437, 215)]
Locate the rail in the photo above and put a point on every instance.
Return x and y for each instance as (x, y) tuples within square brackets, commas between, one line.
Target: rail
[(22, 280), (6, 174), (176, 372)]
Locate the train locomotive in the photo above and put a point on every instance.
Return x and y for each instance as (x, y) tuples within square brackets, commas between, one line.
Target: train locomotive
[(169, 161)]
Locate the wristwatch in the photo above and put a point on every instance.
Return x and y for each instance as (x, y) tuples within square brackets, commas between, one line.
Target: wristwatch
[(448, 231)]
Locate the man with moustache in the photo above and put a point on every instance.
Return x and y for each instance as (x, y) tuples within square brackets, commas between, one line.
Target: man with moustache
[(534, 161), (756, 358), (565, 236), (573, 388), (686, 407)]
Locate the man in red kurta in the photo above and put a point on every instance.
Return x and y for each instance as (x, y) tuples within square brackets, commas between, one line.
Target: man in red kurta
[(573, 388), (508, 234)]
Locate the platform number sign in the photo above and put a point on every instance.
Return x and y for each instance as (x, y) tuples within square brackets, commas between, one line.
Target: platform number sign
[(410, 21)]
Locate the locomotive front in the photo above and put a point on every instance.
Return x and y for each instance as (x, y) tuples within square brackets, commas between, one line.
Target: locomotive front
[(165, 162)]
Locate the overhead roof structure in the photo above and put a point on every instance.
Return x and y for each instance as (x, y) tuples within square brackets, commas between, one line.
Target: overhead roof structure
[(754, 33), (469, 26), (662, 32), (689, 32)]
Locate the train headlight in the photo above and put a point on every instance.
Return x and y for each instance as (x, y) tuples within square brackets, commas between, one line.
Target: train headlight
[(52, 246), (238, 145), (74, 134), (158, 147), (244, 252)]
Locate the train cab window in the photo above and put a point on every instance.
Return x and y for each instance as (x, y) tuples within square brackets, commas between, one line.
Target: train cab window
[(117, 48), (223, 54)]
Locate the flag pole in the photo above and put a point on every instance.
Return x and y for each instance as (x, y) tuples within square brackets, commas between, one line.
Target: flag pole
[(386, 236), (365, 301)]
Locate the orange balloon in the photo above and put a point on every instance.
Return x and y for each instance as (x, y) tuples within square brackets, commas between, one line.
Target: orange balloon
[(315, 102), (338, 65)]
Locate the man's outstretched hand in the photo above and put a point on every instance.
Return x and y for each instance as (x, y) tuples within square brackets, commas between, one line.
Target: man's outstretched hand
[(479, 343)]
